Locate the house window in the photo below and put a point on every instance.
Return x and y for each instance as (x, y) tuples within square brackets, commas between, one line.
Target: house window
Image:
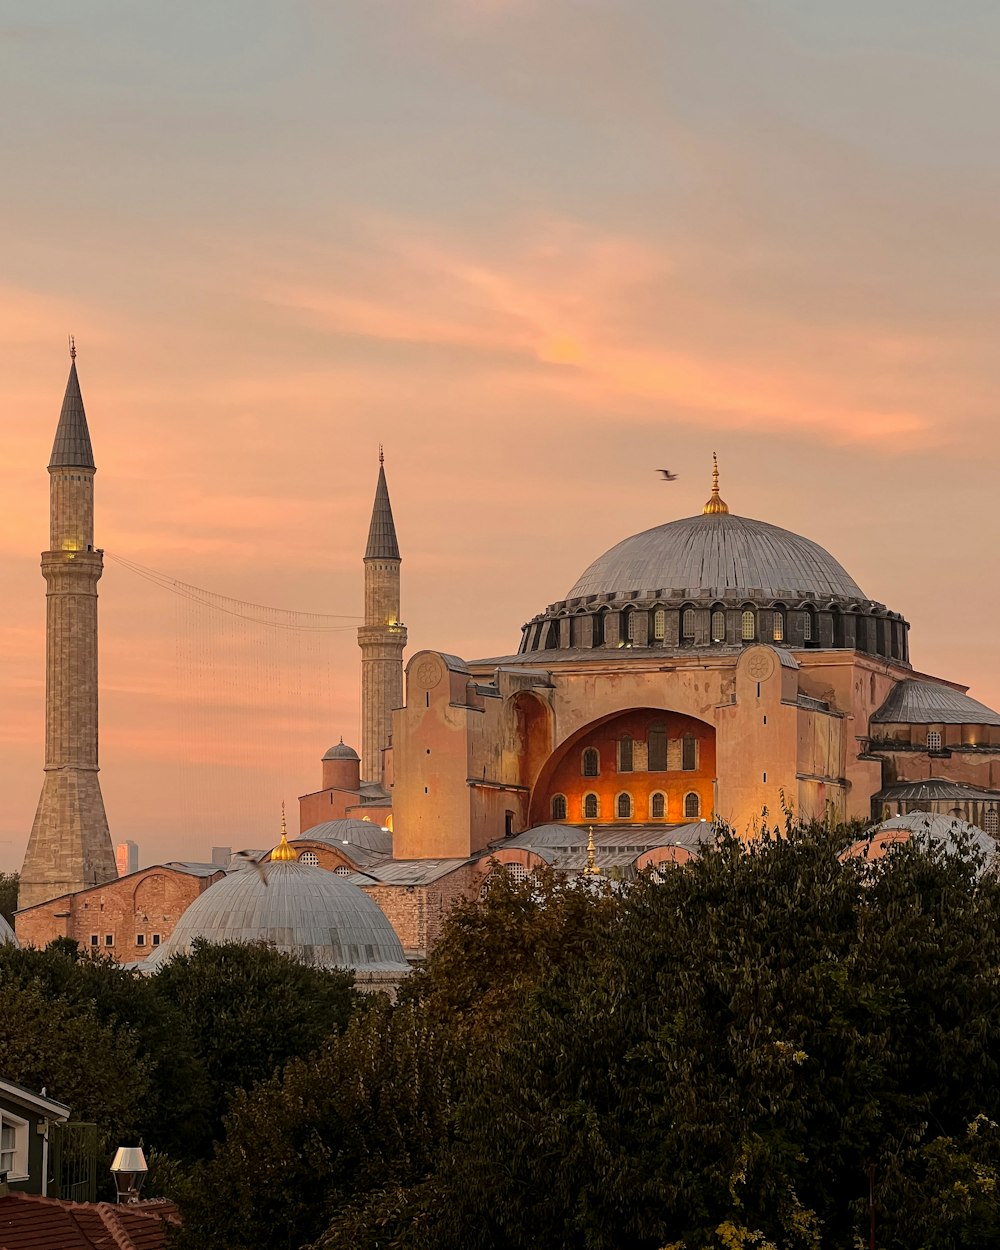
[(657, 749), (658, 806), (94, 940), (309, 858), (718, 626), (692, 805), (687, 625), (140, 939), (689, 753), (559, 807), (156, 939), (991, 822), (13, 1146), (109, 939), (778, 627), (590, 807), (659, 624), (748, 625), (342, 870), (624, 807), (625, 753), (591, 763), (933, 740)]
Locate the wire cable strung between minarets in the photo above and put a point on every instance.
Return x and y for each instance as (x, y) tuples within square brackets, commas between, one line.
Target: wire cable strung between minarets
[(276, 618)]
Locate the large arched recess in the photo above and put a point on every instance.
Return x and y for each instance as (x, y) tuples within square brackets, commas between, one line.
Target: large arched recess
[(562, 772), (531, 733)]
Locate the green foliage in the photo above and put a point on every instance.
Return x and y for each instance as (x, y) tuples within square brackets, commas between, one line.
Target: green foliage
[(9, 884)]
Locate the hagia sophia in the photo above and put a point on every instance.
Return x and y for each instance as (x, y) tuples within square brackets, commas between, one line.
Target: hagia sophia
[(714, 668)]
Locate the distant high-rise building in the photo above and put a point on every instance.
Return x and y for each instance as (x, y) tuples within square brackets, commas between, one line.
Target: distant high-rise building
[(70, 846), (127, 857)]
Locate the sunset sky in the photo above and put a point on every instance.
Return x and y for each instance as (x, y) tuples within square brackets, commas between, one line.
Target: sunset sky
[(537, 248)]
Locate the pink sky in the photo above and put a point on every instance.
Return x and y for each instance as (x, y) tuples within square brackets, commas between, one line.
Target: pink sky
[(535, 247)]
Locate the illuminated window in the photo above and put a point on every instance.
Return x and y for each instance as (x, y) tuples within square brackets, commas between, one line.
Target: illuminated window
[(658, 806), (718, 626), (591, 766), (624, 806), (692, 806), (778, 630), (933, 740), (748, 626), (689, 753), (659, 624), (310, 858), (591, 808), (657, 749), (625, 753), (559, 807), (687, 624)]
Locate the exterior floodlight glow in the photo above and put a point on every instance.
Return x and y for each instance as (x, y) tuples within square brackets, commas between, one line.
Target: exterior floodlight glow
[(129, 1170)]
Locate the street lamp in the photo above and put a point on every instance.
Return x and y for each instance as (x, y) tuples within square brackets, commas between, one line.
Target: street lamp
[(129, 1170)]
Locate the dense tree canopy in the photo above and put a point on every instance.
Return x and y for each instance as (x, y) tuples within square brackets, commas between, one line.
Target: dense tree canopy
[(717, 1057), (9, 885)]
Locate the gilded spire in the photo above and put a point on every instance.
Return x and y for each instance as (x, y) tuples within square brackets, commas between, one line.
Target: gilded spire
[(592, 869), (282, 852), (716, 503)]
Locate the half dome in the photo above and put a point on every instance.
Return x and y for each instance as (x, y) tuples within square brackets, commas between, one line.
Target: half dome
[(307, 912), (720, 555)]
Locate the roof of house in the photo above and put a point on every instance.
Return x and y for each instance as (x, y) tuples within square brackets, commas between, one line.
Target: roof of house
[(28, 1222), (41, 1104)]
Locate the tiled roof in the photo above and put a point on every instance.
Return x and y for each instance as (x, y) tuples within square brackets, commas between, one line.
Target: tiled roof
[(914, 702), (28, 1222), (72, 448)]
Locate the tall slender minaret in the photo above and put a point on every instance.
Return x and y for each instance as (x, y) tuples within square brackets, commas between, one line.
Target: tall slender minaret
[(70, 846), (381, 638)]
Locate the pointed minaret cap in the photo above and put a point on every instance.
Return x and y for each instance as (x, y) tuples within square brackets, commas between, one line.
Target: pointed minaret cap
[(715, 503), (382, 544), (72, 449)]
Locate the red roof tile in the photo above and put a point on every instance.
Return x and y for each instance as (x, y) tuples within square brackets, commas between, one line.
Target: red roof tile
[(28, 1222)]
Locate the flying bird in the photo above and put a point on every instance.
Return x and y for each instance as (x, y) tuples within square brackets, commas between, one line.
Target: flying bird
[(667, 475), (259, 868)]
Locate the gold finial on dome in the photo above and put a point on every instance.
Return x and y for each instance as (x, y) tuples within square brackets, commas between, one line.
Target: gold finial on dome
[(716, 503), (592, 869), (282, 852)]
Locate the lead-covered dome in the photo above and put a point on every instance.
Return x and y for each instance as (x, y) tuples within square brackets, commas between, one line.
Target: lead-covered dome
[(721, 555), (307, 912)]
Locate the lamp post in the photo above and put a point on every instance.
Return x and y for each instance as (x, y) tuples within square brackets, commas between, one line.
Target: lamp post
[(129, 1170)]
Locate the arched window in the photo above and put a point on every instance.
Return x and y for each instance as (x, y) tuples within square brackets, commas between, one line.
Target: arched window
[(628, 627), (748, 625), (692, 805), (559, 807), (516, 872), (310, 858), (342, 870), (598, 636), (687, 625), (658, 806), (590, 764), (659, 624), (689, 753), (623, 806), (991, 822), (718, 626), (933, 740), (807, 626), (591, 807), (625, 753), (778, 626), (657, 740)]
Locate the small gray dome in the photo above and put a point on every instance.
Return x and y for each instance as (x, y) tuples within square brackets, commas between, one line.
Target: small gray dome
[(914, 702), (365, 834), (303, 911), (721, 555), (341, 752), (7, 933)]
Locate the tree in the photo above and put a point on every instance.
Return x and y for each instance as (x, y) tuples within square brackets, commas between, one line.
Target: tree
[(9, 885)]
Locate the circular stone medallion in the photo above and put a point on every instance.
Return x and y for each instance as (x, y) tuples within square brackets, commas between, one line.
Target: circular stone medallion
[(760, 666), (428, 673)]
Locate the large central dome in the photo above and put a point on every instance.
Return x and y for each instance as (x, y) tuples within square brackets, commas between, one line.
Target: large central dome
[(721, 555)]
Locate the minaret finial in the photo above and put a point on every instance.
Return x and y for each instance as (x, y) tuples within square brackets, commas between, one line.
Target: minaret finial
[(716, 503), (381, 454), (72, 347), (282, 852), (592, 869)]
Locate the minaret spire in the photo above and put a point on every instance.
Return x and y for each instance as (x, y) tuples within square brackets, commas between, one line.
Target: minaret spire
[(716, 503), (70, 846), (381, 638)]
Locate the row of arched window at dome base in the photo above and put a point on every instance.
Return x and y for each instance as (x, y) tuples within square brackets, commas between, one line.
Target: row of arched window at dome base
[(866, 627), (624, 807)]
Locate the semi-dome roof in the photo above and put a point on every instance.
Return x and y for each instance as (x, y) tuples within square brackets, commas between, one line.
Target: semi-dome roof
[(307, 912), (718, 554), (915, 702)]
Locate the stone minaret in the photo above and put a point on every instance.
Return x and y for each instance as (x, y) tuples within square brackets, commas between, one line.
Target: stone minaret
[(381, 638), (70, 846)]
